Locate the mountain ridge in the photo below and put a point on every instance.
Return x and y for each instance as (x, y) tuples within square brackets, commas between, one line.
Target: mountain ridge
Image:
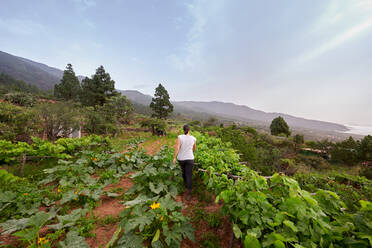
[(245, 113), (45, 77), (29, 71)]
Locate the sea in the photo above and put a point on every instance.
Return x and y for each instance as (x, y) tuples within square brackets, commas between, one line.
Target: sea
[(361, 130)]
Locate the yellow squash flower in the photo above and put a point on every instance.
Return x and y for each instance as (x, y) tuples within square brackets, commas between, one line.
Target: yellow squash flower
[(76, 192), (42, 241), (155, 205), (161, 218)]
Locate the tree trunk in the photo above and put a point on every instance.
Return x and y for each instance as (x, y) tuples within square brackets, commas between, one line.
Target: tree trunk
[(22, 165)]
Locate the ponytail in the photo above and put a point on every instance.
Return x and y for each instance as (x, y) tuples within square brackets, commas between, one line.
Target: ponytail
[(186, 129)]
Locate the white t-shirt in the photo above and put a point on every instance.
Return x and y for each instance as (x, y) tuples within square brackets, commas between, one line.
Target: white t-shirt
[(186, 144)]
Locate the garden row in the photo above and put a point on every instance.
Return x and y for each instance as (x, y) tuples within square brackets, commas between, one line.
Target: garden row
[(276, 212), (54, 211)]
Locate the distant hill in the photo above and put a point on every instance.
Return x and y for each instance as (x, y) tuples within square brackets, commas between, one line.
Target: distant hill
[(45, 77), (245, 113), (31, 72), (233, 111)]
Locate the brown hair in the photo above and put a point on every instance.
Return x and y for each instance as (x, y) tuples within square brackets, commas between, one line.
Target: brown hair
[(186, 129)]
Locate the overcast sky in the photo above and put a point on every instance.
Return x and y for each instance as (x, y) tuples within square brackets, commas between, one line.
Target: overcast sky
[(311, 59)]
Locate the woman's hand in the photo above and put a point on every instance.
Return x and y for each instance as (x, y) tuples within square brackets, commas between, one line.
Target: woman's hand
[(174, 161)]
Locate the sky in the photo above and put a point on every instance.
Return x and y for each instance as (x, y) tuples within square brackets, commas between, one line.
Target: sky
[(311, 59)]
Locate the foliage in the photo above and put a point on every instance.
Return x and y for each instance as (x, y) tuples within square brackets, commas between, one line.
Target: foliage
[(120, 107), (267, 160), (107, 119), (20, 98), (161, 222), (279, 126), (69, 88), (250, 130), (98, 88), (31, 234), (16, 121), (209, 240), (62, 148), (315, 162), (212, 121), (160, 104), (157, 126), (59, 119), (276, 211), (366, 171), (298, 140), (10, 84), (154, 212), (92, 142), (365, 149), (351, 189), (345, 151), (69, 183), (97, 121), (239, 142)]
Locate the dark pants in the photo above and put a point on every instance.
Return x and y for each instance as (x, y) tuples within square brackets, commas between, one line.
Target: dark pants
[(186, 166)]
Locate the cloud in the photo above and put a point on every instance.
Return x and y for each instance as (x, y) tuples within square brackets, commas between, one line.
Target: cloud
[(22, 27), (89, 24), (191, 55), (337, 41), (85, 4), (341, 22)]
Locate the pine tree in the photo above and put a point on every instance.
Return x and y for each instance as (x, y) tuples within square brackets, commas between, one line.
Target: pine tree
[(98, 89), (279, 126), (69, 88), (160, 104)]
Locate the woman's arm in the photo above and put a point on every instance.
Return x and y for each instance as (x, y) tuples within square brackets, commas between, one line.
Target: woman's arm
[(176, 150), (194, 147)]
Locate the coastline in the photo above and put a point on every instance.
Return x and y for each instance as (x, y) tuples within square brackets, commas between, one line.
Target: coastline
[(360, 130)]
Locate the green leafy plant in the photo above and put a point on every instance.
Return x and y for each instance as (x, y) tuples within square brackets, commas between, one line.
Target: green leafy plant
[(209, 240), (160, 222), (276, 211)]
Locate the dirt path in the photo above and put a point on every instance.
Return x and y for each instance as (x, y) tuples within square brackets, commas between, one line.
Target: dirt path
[(223, 232), (110, 207), (153, 146)]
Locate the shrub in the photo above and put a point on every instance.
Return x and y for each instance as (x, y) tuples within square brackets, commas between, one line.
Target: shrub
[(345, 151), (20, 98), (313, 161), (16, 121), (366, 171), (157, 126)]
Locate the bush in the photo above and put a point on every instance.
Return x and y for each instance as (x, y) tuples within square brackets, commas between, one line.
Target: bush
[(20, 98), (157, 126), (239, 141), (345, 151), (59, 119), (16, 121), (267, 161), (366, 171), (250, 130), (313, 161), (98, 121)]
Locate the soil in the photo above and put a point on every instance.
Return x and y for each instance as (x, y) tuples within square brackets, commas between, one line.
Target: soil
[(8, 239), (109, 207), (224, 232), (153, 147), (103, 235)]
